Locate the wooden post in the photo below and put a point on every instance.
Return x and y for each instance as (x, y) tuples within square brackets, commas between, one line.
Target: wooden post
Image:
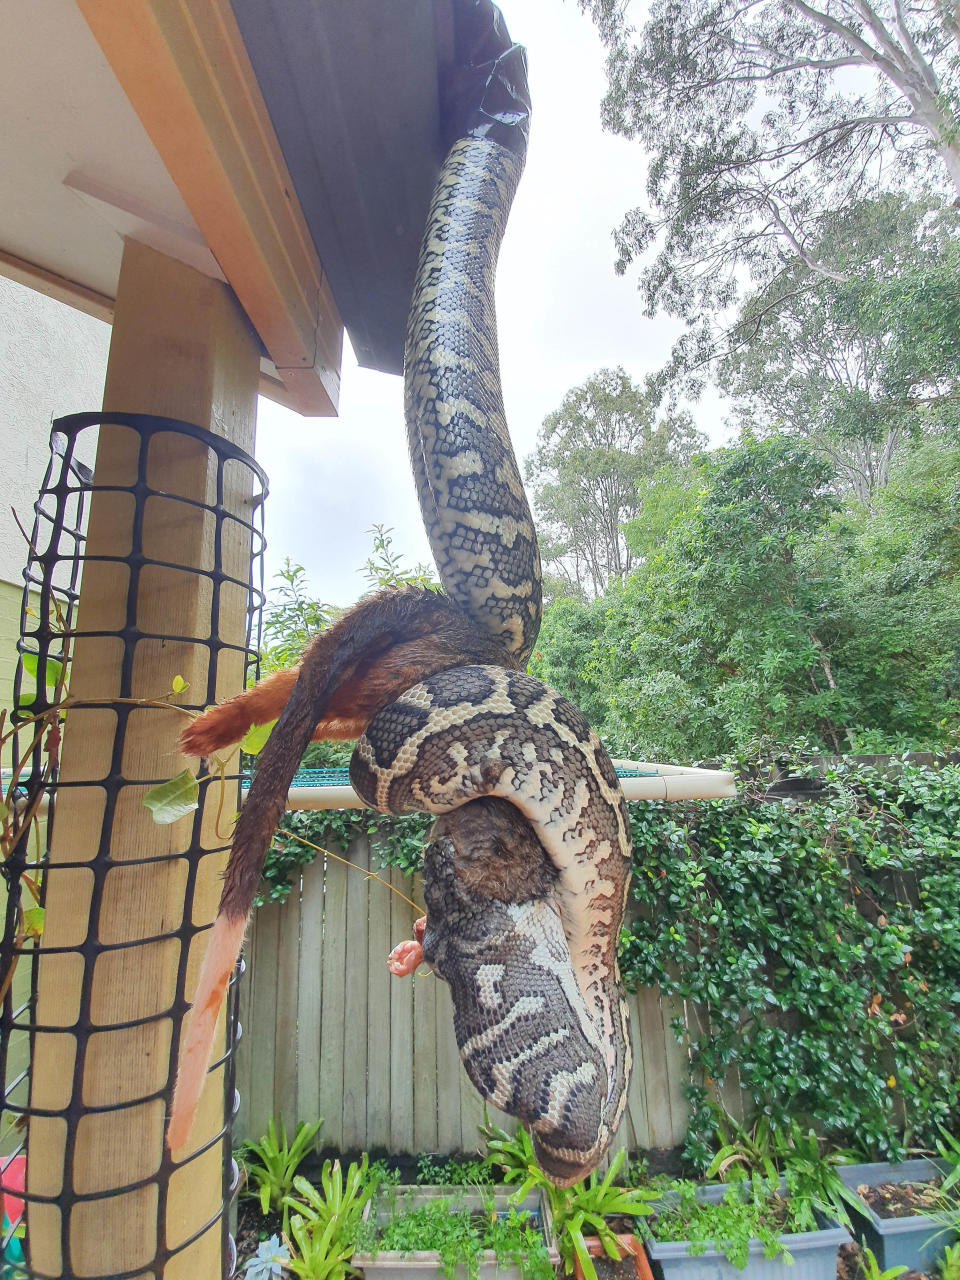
[(181, 348)]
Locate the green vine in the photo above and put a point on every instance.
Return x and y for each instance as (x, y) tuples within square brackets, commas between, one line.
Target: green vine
[(819, 945)]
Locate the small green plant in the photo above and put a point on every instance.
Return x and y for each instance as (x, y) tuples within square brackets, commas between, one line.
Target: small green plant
[(583, 1209), (751, 1209), (459, 1236), (510, 1156), (948, 1149), (272, 1162), (268, 1262), (432, 1171), (948, 1268), (742, 1150), (788, 1152), (326, 1219), (870, 1267)]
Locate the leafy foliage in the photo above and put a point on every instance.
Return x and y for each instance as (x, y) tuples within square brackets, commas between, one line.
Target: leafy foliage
[(820, 947), (384, 567), (591, 454), (768, 612), (435, 1171), (863, 361), (271, 1163), (762, 119), (448, 1227), (291, 618), (750, 1210)]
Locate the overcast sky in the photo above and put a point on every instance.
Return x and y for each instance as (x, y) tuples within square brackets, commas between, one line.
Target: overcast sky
[(562, 314)]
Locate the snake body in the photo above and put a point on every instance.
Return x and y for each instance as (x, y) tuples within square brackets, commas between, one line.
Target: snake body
[(540, 1016), (526, 877)]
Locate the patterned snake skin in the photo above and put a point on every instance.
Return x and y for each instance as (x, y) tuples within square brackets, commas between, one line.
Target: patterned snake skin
[(539, 1013)]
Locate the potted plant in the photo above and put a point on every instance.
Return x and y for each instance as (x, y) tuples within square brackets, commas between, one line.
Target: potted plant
[(416, 1233), (753, 1224), (899, 1209), (594, 1218)]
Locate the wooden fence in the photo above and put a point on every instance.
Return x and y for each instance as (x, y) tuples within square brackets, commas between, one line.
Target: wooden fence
[(327, 1031)]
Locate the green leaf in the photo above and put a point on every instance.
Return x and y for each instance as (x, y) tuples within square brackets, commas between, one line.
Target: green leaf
[(33, 922), (174, 799), (52, 669), (179, 685), (256, 738)]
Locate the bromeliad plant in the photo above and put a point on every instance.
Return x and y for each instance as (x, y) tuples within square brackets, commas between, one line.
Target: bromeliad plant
[(578, 1211), (773, 1152), (326, 1220), (271, 1163), (583, 1209)]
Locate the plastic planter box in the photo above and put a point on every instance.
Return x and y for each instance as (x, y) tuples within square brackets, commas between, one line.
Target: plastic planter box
[(914, 1241), (425, 1264), (814, 1255)]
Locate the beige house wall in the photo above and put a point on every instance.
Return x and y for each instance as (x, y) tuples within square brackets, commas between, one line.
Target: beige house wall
[(52, 361)]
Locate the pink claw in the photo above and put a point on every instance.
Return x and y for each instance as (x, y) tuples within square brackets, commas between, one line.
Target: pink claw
[(405, 958)]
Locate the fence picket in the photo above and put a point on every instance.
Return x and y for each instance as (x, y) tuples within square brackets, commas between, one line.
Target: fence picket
[(401, 1025), (286, 1040), (356, 926), (309, 995), (379, 981), (332, 997)]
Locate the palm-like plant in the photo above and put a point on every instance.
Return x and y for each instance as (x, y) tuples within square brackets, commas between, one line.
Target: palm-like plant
[(272, 1162), (327, 1218)]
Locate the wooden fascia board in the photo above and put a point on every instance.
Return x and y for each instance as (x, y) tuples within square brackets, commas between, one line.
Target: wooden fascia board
[(184, 68)]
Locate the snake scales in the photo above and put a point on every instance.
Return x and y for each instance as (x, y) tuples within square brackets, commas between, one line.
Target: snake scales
[(541, 1021), (526, 876)]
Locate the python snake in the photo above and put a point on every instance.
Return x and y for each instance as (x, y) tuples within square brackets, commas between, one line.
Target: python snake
[(539, 1012), (526, 876)]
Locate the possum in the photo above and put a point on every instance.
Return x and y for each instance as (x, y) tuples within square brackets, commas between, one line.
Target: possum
[(370, 655)]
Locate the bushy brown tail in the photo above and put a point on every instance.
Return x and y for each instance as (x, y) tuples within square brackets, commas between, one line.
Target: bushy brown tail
[(336, 667), (222, 726)]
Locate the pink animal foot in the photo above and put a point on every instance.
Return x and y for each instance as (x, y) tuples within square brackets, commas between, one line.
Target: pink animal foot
[(405, 957)]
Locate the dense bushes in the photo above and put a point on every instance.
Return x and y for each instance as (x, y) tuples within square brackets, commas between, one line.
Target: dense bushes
[(821, 945), (819, 942)]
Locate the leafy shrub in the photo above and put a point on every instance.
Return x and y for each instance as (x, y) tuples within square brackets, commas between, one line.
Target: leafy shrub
[(821, 946)]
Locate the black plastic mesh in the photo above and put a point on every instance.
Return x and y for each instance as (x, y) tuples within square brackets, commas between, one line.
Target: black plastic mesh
[(48, 628)]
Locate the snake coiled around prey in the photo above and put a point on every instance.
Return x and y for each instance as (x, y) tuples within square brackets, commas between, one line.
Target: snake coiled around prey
[(526, 876), (548, 1040)]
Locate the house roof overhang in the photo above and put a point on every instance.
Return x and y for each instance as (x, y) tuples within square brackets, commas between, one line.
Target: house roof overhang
[(286, 147)]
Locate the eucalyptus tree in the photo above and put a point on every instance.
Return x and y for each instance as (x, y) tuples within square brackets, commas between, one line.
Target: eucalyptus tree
[(592, 452), (761, 116), (865, 360)]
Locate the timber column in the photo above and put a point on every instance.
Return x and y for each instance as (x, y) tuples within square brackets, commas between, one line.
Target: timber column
[(181, 348)]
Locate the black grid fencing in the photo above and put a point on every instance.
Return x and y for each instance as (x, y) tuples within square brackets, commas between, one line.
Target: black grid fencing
[(230, 509)]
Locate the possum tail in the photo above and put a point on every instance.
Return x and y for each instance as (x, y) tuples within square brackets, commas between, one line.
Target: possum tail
[(369, 632)]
